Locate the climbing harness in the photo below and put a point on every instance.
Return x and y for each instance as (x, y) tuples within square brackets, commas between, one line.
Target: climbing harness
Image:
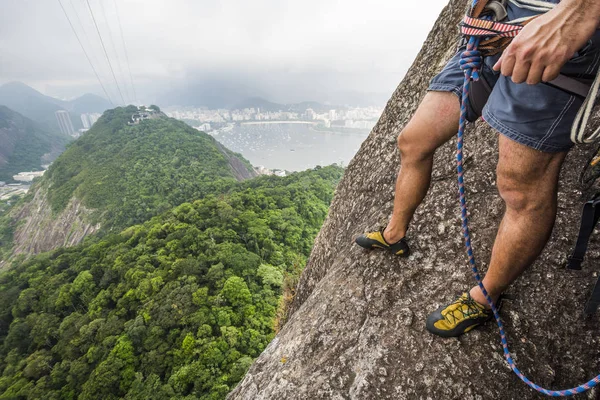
[(495, 36), (479, 30)]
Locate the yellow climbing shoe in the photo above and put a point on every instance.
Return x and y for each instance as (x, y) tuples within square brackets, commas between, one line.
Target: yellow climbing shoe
[(458, 317), (375, 240)]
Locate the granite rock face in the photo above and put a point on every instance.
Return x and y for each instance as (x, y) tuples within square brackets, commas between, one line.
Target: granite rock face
[(357, 329), (40, 230)]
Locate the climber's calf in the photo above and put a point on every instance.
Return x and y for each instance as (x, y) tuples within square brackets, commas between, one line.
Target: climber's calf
[(433, 124), (528, 184)]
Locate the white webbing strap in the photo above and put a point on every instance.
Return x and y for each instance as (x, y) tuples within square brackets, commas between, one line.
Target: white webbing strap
[(533, 5), (583, 116)]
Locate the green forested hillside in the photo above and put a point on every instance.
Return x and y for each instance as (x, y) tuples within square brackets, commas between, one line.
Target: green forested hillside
[(24, 145), (175, 308), (131, 173), (6, 228)]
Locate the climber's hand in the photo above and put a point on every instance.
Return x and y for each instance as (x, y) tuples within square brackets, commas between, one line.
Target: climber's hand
[(546, 43)]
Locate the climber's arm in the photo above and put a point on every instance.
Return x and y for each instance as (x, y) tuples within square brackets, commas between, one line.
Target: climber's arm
[(546, 43)]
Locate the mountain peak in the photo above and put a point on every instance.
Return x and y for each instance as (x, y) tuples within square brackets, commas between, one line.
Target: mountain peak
[(20, 87)]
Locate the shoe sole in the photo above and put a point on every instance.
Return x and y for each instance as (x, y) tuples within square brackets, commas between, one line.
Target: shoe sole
[(461, 328), (376, 245)]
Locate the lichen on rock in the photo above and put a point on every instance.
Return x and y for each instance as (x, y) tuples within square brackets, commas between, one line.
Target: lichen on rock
[(356, 328)]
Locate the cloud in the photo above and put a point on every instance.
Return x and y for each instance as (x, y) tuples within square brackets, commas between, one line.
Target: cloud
[(283, 47)]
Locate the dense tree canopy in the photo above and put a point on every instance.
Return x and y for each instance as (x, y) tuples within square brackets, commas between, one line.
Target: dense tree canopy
[(6, 226), (175, 308)]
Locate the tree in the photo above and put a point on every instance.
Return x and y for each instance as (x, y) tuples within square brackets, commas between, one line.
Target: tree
[(114, 376), (236, 293)]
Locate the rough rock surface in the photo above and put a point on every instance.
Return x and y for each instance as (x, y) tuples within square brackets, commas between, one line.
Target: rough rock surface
[(356, 329), (240, 170), (40, 230)]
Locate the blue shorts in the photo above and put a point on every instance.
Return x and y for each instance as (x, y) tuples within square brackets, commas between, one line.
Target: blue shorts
[(539, 116)]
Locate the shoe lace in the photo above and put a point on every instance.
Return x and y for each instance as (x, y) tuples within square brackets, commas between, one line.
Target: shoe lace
[(472, 308)]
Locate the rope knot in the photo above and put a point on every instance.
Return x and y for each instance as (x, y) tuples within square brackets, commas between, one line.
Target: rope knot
[(470, 63)]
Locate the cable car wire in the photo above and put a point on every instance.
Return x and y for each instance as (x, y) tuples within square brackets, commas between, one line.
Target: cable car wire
[(105, 52), (86, 54)]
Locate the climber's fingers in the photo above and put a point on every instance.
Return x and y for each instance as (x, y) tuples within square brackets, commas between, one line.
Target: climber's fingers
[(550, 73), (520, 71), (506, 64), (535, 74)]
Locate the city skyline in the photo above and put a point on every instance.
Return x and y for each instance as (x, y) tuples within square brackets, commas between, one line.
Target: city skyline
[(353, 118)]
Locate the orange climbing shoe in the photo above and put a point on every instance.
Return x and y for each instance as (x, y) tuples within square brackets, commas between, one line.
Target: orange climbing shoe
[(375, 240), (458, 317)]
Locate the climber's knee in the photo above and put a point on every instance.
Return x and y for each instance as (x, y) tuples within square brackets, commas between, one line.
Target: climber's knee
[(524, 186), (527, 179), (432, 125), (517, 195), (412, 148)]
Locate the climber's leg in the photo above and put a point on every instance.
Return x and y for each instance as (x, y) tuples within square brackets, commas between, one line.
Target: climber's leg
[(433, 124), (528, 184)]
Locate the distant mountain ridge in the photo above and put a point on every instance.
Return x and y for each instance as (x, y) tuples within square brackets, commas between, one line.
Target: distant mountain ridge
[(25, 145), (230, 95), (87, 103), (41, 108), (217, 92), (213, 94)]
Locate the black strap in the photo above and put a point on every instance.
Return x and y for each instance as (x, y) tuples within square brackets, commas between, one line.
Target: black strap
[(479, 93), (589, 219), (577, 87), (594, 301)]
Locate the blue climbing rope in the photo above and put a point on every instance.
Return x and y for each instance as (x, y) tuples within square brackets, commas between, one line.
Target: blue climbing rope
[(470, 63)]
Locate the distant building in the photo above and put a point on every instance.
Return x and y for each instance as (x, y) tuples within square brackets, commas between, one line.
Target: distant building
[(93, 118), (203, 127), (85, 120), (143, 114), (64, 122), (27, 176), (332, 115), (89, 120)]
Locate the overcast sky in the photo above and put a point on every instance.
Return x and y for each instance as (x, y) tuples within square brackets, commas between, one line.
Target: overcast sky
[(286, 50)]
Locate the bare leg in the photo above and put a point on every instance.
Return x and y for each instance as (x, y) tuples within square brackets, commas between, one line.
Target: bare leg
[(434, 123), (528, 184)]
